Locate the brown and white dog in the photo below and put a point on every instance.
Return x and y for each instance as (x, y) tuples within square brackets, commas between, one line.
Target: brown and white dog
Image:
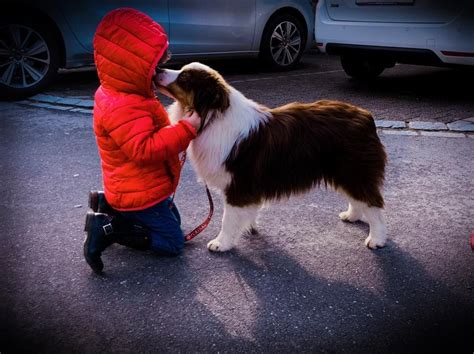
[(253, 154)]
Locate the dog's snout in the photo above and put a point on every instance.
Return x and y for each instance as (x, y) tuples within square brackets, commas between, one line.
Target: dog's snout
[(159, 73), (165, 77)]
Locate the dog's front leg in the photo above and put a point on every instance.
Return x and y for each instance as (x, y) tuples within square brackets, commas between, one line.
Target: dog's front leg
[(235, 221)]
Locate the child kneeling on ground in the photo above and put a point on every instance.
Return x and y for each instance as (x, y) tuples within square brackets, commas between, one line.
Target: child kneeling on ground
[(138, 148)]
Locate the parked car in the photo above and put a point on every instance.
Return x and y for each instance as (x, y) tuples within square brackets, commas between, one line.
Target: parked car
[(37, 38), (372, 35)]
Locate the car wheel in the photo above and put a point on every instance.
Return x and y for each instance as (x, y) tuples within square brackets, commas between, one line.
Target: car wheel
[(283, 42), (361, 68), (29, 59)]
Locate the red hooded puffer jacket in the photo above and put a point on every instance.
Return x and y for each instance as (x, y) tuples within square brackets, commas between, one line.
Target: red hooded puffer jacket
[(137, 145)]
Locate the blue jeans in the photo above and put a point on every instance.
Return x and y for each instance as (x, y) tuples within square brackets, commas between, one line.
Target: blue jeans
[(163, 223)]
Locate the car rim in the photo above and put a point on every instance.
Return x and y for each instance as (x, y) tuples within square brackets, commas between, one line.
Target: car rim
[(24, 56), (285, 43)]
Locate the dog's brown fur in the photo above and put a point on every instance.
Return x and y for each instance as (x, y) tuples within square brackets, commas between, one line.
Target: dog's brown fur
[(306, 144)]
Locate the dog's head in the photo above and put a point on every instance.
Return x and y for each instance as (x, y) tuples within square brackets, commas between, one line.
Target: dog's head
[(196, 87)]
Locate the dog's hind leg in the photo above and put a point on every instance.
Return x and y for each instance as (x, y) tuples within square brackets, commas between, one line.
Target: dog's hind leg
[(366, 211), (235, 222), (253, 225), (361, 211), (378, 229), (355, 211)]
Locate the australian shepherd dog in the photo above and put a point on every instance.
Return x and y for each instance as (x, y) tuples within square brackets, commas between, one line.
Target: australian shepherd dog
[(253, 154)]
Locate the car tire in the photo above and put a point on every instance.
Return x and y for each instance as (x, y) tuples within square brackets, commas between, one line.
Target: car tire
[(29, 59), (361, 68), (283, 42)]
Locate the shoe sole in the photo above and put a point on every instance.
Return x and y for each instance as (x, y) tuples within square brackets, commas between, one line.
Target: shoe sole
[(88, 225), (94, 200)]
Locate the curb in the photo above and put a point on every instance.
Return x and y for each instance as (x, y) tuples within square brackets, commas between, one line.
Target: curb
[(81, 104), (458, 129)]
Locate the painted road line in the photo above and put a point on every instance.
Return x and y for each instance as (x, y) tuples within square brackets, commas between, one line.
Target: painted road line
[(283, 76), (443, 134)]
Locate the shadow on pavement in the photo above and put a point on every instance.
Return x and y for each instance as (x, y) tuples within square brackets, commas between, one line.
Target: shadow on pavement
[(299, 310), (260, 299)]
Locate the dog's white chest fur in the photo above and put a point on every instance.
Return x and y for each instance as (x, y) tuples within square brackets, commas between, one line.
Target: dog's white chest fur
[(210, 149), (205, 154)]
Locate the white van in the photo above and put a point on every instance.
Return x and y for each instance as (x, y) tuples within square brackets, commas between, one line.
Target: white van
[(372, 35)]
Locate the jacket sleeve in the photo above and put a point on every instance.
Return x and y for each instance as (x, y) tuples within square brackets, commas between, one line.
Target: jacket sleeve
[(134, 131)]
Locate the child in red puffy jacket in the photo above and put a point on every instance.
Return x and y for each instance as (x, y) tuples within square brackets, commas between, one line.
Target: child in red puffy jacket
[(138, 148)]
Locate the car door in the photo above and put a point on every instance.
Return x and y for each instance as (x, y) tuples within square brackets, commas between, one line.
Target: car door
[(84, 16), (211, 26)]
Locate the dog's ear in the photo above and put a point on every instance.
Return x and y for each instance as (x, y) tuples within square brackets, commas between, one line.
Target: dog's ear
[(211, 95)]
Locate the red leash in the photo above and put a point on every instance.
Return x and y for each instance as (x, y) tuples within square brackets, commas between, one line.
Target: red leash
[(206, 222)]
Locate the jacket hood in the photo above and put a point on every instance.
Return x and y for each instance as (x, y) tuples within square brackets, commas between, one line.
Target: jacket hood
[(127, 47)]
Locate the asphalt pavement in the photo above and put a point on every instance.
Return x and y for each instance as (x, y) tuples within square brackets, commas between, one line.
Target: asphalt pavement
[(304, 283)]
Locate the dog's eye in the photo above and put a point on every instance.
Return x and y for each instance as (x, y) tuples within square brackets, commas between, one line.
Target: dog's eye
[(183, 77), (184, 80)]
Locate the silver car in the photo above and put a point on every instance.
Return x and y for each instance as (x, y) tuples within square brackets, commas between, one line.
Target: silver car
[(372, 35), (38, 38)]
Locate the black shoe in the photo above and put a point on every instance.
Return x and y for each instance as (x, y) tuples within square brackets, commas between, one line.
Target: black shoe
[(97, 239), (99, 204), (103, 230)]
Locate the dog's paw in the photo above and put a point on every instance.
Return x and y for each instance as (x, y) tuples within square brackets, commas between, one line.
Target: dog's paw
[(347, 216), (351, 217), (344, 216), (218, 246), (374, 243)]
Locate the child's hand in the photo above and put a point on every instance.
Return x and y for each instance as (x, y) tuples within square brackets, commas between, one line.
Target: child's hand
[(193, 118)]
